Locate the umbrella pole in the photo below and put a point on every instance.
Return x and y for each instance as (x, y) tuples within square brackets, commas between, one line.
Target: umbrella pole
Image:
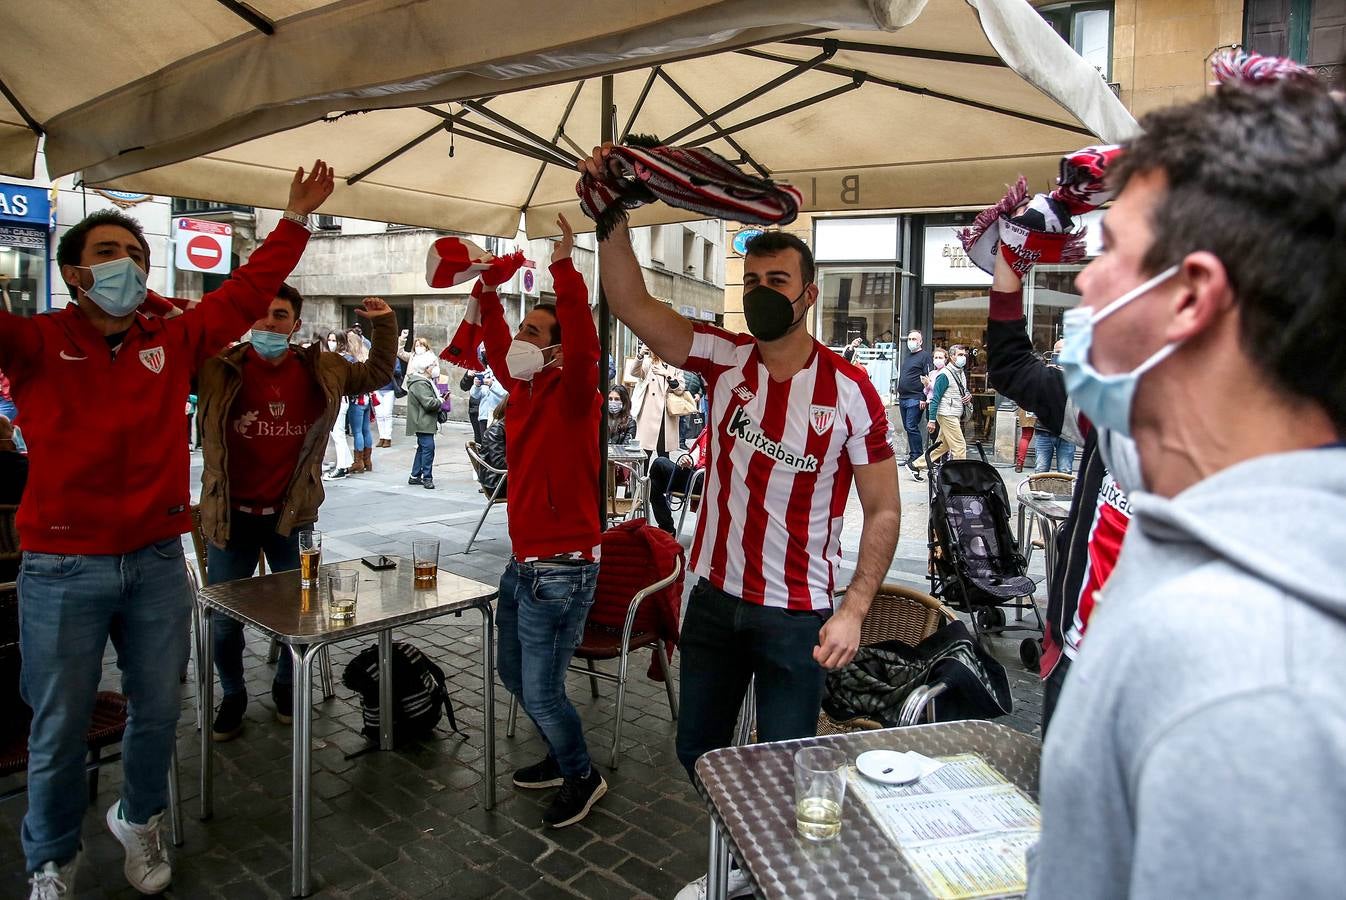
[(607, 129)]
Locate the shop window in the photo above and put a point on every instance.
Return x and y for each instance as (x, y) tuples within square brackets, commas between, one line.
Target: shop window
[(1086, 27), (856, 302), (1048, 293), (23, 269)]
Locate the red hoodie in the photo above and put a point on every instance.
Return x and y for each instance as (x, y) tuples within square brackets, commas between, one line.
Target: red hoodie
[(108, 463), (551, 428)]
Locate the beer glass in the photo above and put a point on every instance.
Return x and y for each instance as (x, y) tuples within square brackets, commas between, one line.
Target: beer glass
[(425, 559), (820, 790), (310, 557), (344, 586)]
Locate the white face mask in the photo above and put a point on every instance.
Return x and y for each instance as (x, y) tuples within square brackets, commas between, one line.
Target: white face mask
[(524, 360), (960, 361), (913, 346), (332, 345)]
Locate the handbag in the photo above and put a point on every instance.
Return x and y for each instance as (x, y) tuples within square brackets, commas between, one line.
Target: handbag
[(680, 404)]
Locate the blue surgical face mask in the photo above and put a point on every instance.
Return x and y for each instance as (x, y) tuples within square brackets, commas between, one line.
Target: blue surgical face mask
[(1105, 399), (118, 286), (268, 344)]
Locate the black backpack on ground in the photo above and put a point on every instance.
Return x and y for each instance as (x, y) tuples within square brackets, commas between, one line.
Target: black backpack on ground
[(420, 697)]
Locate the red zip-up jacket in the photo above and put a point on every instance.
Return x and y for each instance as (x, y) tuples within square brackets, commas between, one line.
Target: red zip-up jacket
[(551, 428), (107, 436)]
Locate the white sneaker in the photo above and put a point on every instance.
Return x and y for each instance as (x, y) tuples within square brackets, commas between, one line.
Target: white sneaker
[(51, 882), (699, 889), (147, 866)]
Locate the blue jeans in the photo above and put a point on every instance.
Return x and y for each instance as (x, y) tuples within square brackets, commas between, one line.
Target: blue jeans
[(725, 642), (1048, 447), (913, 421), (249, 536), (423, 464), (358, 417), (68, 608), (540, 617)]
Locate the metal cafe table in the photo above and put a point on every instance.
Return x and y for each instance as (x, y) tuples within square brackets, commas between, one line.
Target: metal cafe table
[(750, 792), (276, 606)]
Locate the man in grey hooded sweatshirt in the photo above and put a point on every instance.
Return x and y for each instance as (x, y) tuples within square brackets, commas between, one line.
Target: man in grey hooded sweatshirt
[(1199, 749)]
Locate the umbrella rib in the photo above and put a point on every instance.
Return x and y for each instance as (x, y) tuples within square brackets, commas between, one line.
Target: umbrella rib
[(926, 92), (520, 149), (640, 102), (697, 108), (556, 157), (560, 129), (829, 50), (19, 108), (859, 79), (973, 59), (505, 122), (249, 15)]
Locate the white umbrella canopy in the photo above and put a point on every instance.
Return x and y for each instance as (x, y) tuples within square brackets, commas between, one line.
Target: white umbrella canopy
[(870, 103)]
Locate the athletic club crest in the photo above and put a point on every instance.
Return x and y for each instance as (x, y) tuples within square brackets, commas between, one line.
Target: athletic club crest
[(153, 359), (821, 418), (277, 408)]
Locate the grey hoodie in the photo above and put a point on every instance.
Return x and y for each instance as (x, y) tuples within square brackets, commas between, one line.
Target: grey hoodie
[(1199, 749)]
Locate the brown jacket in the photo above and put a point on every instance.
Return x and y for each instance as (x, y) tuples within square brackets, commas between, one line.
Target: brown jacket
[(218, 385)]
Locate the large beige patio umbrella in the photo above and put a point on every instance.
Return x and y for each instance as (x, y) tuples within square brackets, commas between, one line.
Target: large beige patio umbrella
[(460, 115)]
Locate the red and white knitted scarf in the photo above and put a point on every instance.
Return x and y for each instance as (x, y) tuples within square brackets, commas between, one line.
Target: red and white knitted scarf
[(694, 178)]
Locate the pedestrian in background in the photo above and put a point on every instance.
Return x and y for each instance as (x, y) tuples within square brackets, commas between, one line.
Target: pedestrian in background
[(911, 397), (423, 422), (621, 425), (344, 459), (359, 408), (656, 426)]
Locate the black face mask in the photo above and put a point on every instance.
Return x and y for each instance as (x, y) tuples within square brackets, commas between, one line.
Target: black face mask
[(769, 313)]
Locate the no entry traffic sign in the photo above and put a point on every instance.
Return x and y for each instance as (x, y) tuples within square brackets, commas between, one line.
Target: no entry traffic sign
[(203, 246)]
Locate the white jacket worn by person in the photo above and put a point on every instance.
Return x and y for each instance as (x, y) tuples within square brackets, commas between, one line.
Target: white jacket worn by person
[(1199, 748)]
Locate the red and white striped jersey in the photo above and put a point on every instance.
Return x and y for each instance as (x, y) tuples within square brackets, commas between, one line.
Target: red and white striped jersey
[(779, 469)]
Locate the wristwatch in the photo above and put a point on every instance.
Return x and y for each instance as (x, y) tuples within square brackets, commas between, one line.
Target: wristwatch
[(297, 219)]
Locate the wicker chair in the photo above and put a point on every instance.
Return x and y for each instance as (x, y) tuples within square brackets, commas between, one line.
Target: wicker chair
[(903, 614), (1060, 485)]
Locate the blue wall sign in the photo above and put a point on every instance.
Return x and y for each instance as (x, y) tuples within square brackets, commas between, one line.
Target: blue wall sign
[(742, 237), (21, 203)]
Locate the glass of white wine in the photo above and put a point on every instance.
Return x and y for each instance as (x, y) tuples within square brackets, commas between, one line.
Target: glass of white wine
[(820, 791)]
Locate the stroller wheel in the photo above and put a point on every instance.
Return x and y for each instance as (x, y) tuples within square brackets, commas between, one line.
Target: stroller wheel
[(1030, 653), (987, 619)]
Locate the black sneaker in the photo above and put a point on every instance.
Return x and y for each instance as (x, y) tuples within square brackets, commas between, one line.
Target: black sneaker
[(428, 484), (414, 479), (915, 472), (546, 774), (574, 800), (229, 718), (283, 697)]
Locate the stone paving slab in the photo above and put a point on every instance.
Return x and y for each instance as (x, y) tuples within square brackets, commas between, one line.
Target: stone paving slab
[(410, 823)]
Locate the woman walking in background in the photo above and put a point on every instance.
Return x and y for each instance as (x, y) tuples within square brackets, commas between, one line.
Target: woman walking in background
[(338, 436), (359, 408), (621, 426)]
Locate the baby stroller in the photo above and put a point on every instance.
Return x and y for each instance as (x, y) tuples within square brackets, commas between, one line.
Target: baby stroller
[(975, 563)]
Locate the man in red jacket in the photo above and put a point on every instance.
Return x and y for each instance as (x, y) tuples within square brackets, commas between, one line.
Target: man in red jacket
[(550, 369), (101, 521)]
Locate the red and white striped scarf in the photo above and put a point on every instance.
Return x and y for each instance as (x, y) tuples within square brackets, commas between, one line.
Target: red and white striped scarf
[(686, 177)]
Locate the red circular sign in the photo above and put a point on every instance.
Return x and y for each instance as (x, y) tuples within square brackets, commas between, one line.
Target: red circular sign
[(205, 251)]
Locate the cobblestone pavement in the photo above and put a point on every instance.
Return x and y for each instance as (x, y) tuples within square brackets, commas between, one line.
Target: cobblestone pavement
[(410, 823)]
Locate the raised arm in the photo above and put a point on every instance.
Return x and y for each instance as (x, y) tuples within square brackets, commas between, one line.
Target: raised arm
[(579, 337), (667, 333), (366, 377), (1013, 368), (228, 311), (495, 334)]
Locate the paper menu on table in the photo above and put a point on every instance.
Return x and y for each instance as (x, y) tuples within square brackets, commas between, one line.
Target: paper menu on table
[(964, 828)]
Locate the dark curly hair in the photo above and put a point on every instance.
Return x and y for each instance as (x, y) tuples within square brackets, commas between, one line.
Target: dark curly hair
[(769, 243), (1256, 175)]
